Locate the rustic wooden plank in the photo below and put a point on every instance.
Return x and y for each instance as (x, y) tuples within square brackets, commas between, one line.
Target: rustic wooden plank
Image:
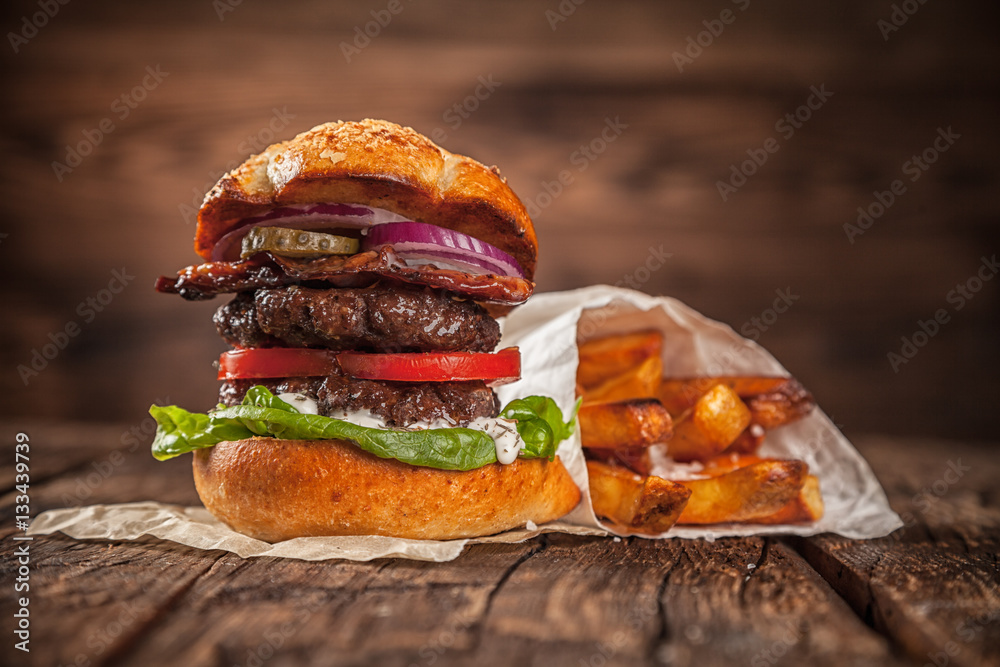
[(579, 595), (600, 601), (331, 612), (587, 599), (77, 465), (755, 600), (561, 598), (933, 586), (89, 601), (57, 448)]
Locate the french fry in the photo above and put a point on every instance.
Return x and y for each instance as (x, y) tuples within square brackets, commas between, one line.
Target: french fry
[(641, 381), (785, 404), (747, 442), (636, 460), (715, 421), (624, 424), (725, 463), (746, 494), (720, 421), (633, 503), (773, 401), (804, 508), (680, 394), (603, 358)]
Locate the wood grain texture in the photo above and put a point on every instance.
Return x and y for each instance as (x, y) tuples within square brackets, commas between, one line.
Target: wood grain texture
[(555, 600), (933, 586)]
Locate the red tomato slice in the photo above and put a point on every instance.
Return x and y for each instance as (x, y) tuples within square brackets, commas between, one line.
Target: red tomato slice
[(277, 362), (496, 368)]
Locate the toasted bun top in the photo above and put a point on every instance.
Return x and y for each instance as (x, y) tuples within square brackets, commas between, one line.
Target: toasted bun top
[(374, 163)]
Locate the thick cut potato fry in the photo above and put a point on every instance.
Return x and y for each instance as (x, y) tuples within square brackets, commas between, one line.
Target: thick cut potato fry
[(750, 493), (642, 381), (711, 426), (804, 508), (724, 463), (786, 404), (636, 460), (603, 358), (680, 394), (748, 442), (624, 424), (633, 503), (773, 401)]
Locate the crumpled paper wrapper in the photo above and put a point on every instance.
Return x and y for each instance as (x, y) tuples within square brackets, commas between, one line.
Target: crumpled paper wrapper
[(546, 330)]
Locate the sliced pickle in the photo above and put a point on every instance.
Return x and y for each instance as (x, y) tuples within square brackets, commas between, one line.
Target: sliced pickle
[(296, 243)]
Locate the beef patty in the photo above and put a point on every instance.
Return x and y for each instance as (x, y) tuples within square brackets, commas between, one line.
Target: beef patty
[(397, 403), (380, 318)]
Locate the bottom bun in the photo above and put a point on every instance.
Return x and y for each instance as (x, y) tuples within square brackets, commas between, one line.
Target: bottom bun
[(275, 490)]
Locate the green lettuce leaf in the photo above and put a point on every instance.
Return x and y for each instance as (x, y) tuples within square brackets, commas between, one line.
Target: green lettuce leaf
[(539, 423)]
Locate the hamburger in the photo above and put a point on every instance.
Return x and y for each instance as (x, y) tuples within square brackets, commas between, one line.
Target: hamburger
[(366, 267)]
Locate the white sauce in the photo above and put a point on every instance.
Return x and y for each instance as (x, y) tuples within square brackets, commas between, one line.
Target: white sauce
[(503, 431), (301, 402)]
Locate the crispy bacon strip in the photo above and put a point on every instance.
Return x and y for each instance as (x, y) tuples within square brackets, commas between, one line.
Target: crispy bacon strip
[(204, 281)]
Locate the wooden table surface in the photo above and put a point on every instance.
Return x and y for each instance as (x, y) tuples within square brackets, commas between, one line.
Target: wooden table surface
[(928, 594)]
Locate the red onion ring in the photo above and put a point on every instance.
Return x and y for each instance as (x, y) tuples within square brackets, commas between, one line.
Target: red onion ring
[(417, 240)]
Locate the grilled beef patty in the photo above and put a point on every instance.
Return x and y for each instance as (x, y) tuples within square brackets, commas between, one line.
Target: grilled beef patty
[(380, 318), (397, 403)]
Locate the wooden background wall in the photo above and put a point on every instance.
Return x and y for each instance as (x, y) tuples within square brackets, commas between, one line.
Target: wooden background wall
[(233, 74)]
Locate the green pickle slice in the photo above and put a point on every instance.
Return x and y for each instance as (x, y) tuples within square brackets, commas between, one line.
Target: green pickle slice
[(296, 243)]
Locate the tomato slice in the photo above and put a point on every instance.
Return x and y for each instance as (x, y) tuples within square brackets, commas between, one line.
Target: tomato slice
[(277, 362), (280, 362), (496, 368)]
